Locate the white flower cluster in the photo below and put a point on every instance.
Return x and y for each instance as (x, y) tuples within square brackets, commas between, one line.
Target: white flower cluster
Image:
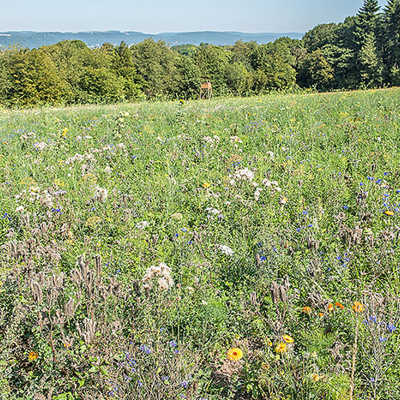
[(28, 135), (272, 185), (87, 137), (36, 194), (244, 174), (212, 212), (225, 249), (236, 139), (100, 194), (211, 140), (162, 272), (89, 156), (45, 197), (40, 146), (142, 225), (257, 193), (80, 157)]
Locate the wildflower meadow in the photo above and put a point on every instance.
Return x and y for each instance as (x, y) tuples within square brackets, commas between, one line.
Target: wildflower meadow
[(234, 248)]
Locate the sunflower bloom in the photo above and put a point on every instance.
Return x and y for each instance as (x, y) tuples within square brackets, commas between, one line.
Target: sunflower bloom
[(306, 310), (281, 347), (235, 354), (32, 356), (288, 339), (358, 307)]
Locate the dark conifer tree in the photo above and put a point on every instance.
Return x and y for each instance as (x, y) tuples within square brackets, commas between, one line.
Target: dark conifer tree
[(368, 61), (392, 42)]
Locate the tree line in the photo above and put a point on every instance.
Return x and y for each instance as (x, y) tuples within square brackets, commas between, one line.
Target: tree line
[(361, 52)]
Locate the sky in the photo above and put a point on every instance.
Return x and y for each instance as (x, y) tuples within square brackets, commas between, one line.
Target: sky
[(154, 16)]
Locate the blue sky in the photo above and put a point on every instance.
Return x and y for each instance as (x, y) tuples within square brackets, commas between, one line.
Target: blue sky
[(153, 16)]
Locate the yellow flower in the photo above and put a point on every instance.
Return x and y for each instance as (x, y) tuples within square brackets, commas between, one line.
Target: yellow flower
[(281, 347), (235, 354), (283, 200), (315, 377), (390, 213), (64, 132), (358, 307), (93, 221), (288, 339), (306, 310), (206, 185), (330, 307), (32, 356), (321, 314)]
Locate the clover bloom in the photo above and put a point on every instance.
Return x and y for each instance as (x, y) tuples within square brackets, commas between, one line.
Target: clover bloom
[(281, 347), (235, 354), (358, 307), (288, 339)]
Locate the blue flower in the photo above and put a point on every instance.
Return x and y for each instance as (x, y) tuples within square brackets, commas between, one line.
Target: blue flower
[(172, 343), (345, 207), (372, 318), (391, 328)]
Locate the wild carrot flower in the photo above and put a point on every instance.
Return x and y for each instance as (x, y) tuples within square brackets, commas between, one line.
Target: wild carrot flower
[(281, 347), (32, 356), (235, 354), (358, 307)]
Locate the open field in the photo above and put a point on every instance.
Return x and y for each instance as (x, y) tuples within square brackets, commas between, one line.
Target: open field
[(224, 249)]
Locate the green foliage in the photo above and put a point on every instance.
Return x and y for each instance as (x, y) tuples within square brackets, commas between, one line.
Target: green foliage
[(370, 65), (321, 35), (363, 51)]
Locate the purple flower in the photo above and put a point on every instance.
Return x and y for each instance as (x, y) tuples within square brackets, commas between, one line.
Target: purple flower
[(185, 384), (145, 349), (172, 343), (391, 328)]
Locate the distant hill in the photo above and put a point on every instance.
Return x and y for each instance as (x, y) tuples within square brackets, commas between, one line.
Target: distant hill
[(95, 39)]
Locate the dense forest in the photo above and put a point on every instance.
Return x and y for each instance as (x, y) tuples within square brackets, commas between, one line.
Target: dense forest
[(361, 52)]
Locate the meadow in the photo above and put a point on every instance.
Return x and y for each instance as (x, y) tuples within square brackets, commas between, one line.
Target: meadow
[(223, 249)]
